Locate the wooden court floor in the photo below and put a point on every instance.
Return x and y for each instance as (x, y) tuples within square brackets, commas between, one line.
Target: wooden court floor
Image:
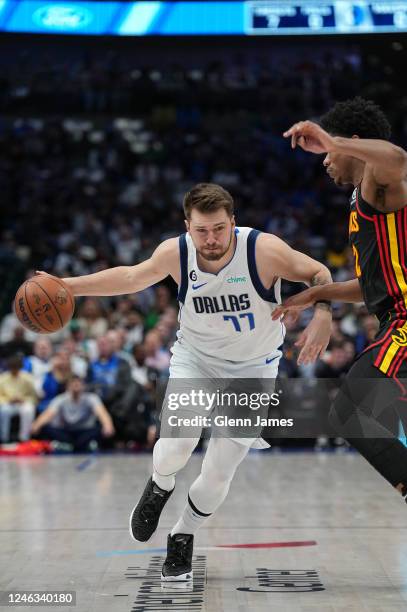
[(299, 532)]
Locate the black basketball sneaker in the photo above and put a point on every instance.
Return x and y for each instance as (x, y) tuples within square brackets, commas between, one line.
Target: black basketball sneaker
[(145, 516), (178, 564)]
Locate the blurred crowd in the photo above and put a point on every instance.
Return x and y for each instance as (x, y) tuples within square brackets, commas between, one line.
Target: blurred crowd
[(96, 153)]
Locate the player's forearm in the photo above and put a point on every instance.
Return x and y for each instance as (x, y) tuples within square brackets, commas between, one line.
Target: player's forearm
[(372, 151), (114, 281), (347, 291)]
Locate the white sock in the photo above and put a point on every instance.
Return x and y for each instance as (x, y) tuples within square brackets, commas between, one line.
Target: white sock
[(164, 482), (191, 519)]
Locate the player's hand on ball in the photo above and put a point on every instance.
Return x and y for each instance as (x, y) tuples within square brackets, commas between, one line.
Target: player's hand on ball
[(44, 303), (310, 137), (315, 338)]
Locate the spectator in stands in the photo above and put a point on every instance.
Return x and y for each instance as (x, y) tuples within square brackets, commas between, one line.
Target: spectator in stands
[(108, 372), (17, 397), (336, 362), (75, 417), (162, 302), (119, 315), (117, 338), (39, 364), (8, 326), (55, 380), (157, 355), (85, 347), (134, 326), (18, 344), (79, 365), (141, 373), (92, 319), (146, 377), (167, 326)]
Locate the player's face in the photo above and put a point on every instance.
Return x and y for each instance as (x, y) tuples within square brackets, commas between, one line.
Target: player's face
[(339, 168), (211, 233)]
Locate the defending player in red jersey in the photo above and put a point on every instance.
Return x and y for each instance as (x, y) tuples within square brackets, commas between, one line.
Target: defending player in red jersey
[(354, 136)]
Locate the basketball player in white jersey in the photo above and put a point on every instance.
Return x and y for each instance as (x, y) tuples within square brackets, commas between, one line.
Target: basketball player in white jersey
[(229, 285)]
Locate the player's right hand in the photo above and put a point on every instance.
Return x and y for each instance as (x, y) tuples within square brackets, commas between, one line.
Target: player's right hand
[(310, 136)]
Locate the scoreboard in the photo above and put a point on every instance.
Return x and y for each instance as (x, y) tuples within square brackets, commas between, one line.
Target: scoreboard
[(340, 17), (189, 18)]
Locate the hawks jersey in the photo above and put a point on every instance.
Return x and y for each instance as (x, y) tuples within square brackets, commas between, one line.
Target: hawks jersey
[(228, 314), (379, 243)]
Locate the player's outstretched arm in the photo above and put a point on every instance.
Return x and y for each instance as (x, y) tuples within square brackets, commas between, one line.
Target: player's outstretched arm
[(347, 291), (129, 279), (386, 162)]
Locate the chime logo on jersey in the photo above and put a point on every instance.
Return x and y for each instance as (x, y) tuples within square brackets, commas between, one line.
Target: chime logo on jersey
[(221, 303)]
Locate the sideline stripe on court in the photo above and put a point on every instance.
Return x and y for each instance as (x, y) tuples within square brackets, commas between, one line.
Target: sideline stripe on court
[(270, 544)]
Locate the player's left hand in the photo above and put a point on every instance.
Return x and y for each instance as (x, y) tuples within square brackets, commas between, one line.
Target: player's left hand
[(315, 338), (310, 137)]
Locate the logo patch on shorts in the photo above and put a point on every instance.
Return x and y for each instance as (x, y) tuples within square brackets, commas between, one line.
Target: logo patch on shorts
[(400, 337)]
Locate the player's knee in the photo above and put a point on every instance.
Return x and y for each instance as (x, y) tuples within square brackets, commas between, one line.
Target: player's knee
[(215, 474), (172, 454), (218, 473), (184, 447)]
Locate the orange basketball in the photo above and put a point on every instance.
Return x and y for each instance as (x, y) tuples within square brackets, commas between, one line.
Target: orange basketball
[(44, 304)]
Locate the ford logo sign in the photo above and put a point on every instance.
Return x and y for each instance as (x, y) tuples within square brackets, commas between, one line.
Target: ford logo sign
[(62, 16)]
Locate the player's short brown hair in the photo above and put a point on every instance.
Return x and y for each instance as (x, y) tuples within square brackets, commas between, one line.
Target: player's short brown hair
[(207, 198)]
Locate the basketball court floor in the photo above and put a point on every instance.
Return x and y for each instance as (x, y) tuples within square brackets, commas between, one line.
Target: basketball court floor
[(299, 532)]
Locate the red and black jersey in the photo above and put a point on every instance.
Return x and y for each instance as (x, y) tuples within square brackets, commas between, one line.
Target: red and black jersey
[(379, 243)]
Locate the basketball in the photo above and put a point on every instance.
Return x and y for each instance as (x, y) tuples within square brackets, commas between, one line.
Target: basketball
[(44, 304)]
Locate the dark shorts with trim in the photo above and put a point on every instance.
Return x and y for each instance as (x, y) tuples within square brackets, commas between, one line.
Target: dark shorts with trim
[(388, 353)]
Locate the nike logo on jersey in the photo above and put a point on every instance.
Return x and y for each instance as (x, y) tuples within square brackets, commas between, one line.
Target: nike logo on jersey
[(270, 359), (197, 286)]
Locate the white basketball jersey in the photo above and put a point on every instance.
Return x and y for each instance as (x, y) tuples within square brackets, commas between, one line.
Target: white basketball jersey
[(228, 315)]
